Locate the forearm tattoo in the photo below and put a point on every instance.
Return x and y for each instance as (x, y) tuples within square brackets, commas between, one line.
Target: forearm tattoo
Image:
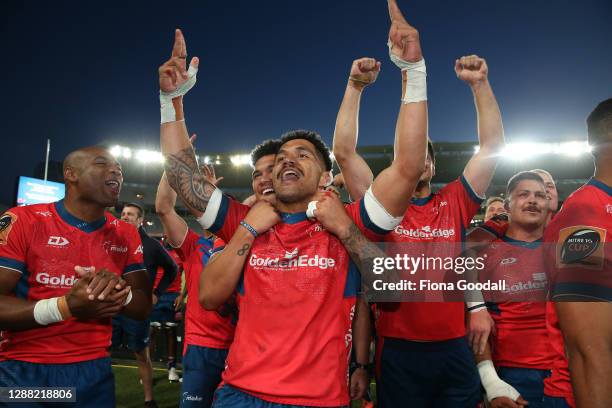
[(363, 252), (242, 251), (186, 179)]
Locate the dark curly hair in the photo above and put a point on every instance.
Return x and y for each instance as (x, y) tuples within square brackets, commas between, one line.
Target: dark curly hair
[(315, 139), (265, 148)]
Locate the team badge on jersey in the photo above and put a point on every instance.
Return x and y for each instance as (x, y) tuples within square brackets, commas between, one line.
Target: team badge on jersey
[(581, 246), (6, 224)]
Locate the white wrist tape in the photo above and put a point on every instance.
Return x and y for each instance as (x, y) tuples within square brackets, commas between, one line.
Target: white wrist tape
[(493, 385), (168, 114), (416, 77), (128, 299), (46, 311), (310, 211)]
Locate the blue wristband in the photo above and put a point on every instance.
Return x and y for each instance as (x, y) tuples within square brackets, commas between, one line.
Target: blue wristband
[(249, 228)]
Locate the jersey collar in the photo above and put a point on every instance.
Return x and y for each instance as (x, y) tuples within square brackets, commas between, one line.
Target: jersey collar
[(293, 218), (522, 244), (602, 186), (78, 223), (421, 201)]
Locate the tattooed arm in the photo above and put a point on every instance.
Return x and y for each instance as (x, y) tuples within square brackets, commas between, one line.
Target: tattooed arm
[(222, 274)]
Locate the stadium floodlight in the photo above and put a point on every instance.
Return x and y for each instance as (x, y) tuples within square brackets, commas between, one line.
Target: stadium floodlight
[(149, 156), (116, 151), (573, 149), (240, 159), (126, 152), (206, 159)]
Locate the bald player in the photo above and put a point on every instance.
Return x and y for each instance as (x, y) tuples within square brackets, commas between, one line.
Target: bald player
[(65, 269)]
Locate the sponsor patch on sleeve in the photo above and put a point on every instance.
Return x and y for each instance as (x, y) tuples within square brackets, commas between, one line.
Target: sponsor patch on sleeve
[(7, 220), (581, 246)]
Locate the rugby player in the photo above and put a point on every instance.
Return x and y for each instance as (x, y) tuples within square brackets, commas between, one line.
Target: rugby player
[(579, 262), (518, 360), (56, 324), (493, 207), (208, 335), (138, 331), (417, 340), (291, 344)]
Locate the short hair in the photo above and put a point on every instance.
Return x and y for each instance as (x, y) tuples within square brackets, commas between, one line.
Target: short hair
[(141, 211), (265, 148), (315, 139), (599, 124), (492, 200), (430, 150), (542, 171), (520, 176)]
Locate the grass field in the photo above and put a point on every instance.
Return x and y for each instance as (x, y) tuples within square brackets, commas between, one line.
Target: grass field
[(128, 391)]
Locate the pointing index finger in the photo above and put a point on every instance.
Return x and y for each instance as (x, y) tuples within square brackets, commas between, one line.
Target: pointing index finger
[(394, 11), (179, 49)]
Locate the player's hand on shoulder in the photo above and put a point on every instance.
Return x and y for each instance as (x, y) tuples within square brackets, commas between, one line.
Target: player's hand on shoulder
[(471, 69), (262, 216), (330, 212)]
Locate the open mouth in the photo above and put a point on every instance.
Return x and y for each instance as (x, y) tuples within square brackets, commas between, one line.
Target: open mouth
[(267, 191), (113, 185), (533, 210), (289, 175)]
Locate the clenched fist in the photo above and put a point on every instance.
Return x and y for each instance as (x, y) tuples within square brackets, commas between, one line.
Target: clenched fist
[(471, 69), (364, 72), (262, 216)]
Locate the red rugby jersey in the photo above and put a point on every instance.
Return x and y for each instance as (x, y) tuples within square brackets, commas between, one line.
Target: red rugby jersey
[(443, 217), (44, 242), (205, 328), (519, 311), (175, 286), (297, 300), (579, 263)]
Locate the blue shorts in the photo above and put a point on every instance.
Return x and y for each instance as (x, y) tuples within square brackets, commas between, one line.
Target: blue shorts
[(427, 374), (94, 381), (202, 368), (528, 382), (230, 397), (163, 311), (137, 332)]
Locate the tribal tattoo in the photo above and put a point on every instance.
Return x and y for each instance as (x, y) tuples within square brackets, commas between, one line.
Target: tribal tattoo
[(185, 178)]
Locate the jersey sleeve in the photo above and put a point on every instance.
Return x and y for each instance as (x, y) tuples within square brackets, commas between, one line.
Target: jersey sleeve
[(218, 246), (223, 215), (13, 241), (371, 217), (188, 245), (579, 255), (462, 198), (134, 261)]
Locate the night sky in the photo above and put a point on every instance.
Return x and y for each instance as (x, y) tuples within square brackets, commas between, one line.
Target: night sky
[(82, 75)]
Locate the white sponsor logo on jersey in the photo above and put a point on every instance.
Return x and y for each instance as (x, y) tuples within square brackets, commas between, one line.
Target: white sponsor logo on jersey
[(425, 232), (44, 213), (508, 261), (138, 250), (538, 282), (110, 247), (57, 241), (62, 281), (609, 208), (291, 260)]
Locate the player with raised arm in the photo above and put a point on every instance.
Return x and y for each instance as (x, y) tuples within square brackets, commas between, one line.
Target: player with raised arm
[(579, 261), (411, 328), (65, 269), (208, 334), (299, 288)]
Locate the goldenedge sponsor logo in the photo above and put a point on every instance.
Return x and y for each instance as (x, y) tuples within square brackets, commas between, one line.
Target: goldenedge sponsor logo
[(62, 280), (424, 232), (299, 261)]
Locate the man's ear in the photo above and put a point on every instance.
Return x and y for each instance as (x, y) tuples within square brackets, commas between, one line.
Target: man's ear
[(70, 174), (507, 205)]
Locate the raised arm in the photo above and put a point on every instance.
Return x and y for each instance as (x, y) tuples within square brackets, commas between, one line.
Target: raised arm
[(357, 174), (480, 169), (395, 185), (180, 164), (175, 227)]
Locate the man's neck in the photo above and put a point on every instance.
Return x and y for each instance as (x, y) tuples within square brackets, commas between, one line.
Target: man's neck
[(83, 210), (423, 190), (603, 166), (519, 233), (291, 208)]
